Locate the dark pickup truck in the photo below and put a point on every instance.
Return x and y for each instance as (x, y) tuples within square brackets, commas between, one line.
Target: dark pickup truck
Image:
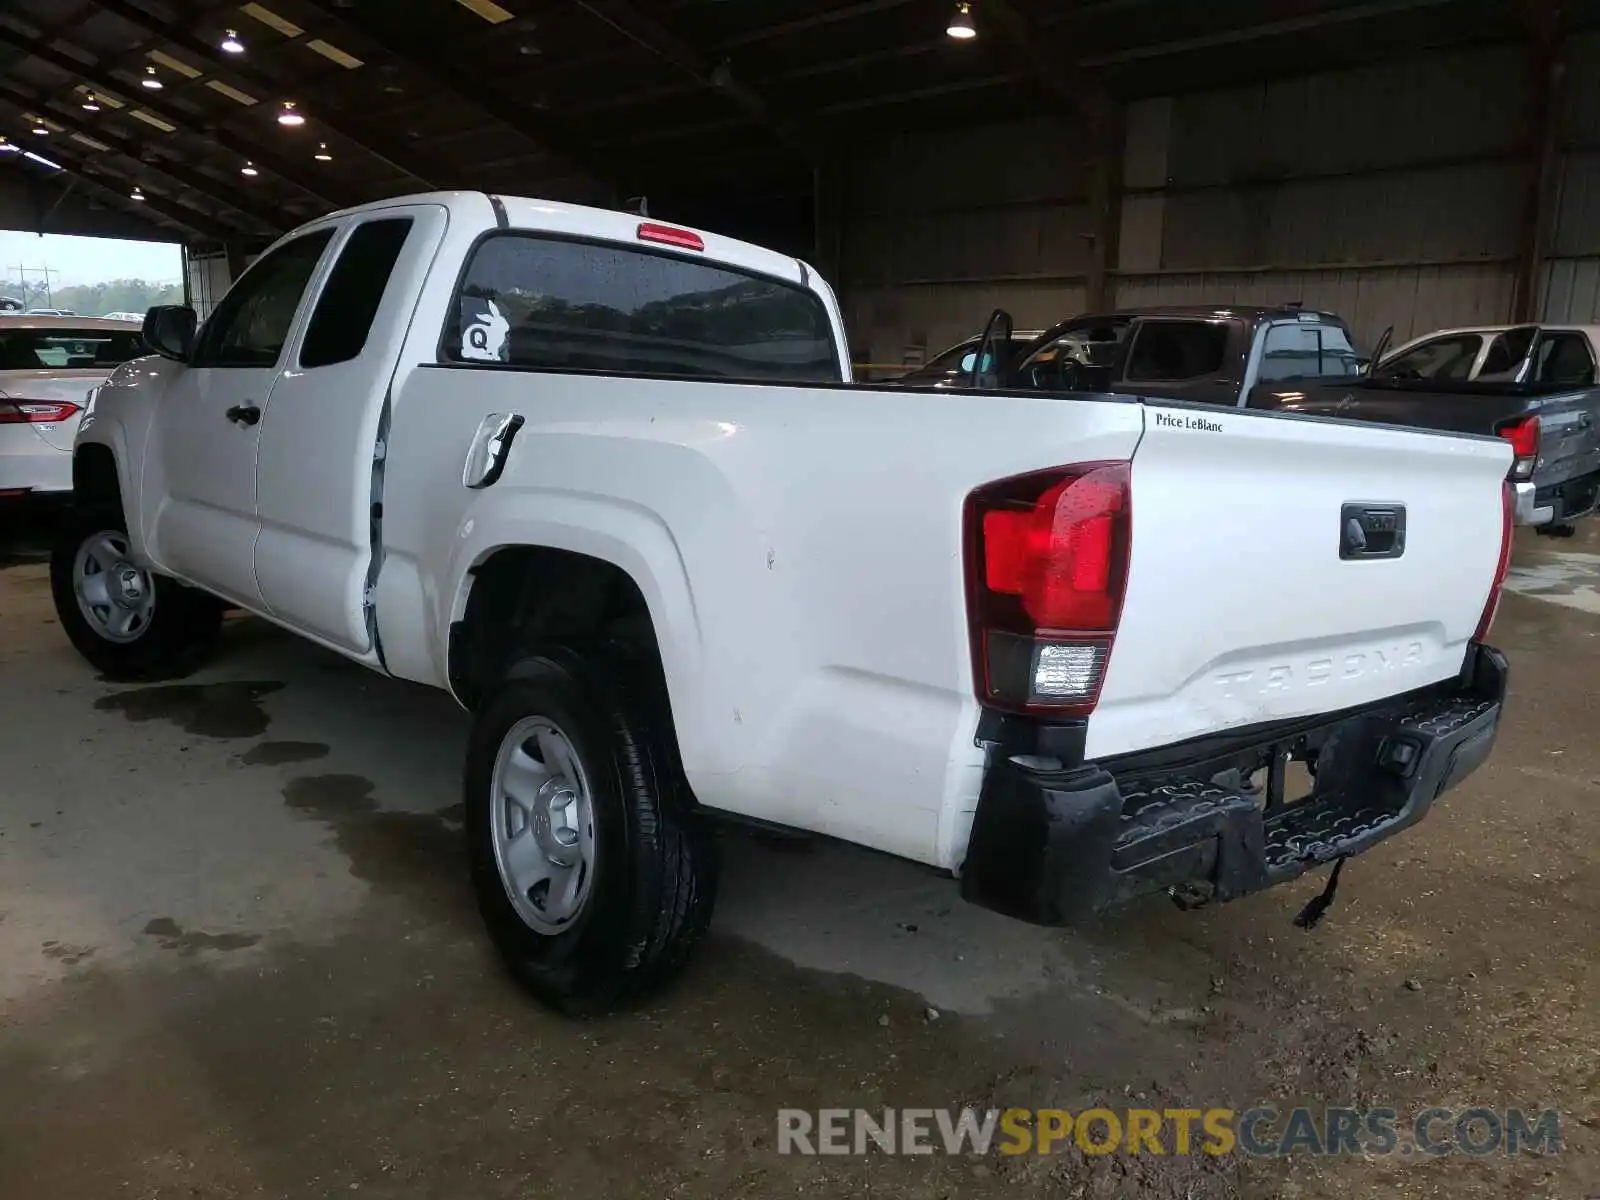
[(1533, 385)]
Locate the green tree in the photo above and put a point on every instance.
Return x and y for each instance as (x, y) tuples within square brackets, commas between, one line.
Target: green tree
[(117, 295)]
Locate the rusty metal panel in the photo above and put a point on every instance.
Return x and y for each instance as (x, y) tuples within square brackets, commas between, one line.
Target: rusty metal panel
[(1571, 291), (1580, 123), (1416, 215), (1008, 163), (1577, 230), (1047, 240), (1455, 105)]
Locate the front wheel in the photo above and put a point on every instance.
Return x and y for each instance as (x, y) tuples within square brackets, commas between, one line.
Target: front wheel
[(129, 622), (593, 873)]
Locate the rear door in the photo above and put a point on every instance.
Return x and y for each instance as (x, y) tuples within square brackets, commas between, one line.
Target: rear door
[(1245, 602), (315, 478), (1185, 359)]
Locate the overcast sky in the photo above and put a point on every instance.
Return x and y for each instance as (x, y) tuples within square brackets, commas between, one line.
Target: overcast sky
[(74, 260)]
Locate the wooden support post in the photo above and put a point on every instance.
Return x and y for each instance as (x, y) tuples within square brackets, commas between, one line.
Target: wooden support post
[(1105, 201), (1546, 82)]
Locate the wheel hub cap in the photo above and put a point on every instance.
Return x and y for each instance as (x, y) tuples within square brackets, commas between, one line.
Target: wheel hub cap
[(114, 594), (543, 825)]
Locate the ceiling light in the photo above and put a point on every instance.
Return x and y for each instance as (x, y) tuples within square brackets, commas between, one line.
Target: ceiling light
[(90, 104), (40, 128), (39, 158), (136, 194), (322, 154), (8, 147), (231, 44), (961, 27), (288, 116), (249, 169), (150, 80)]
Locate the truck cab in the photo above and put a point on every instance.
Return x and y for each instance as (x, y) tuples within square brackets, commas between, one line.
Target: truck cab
[(1233, 356)]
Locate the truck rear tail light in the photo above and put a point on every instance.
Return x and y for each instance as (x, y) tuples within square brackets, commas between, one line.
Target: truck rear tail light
[(1047, 562), (667, 235), (1491, 606), (35, 412), (1523, 435)]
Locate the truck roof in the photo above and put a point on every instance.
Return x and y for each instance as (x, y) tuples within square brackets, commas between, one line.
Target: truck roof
[(580, 220), (1253, 312)]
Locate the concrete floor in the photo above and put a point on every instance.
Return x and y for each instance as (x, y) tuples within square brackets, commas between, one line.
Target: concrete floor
[(238, 958)]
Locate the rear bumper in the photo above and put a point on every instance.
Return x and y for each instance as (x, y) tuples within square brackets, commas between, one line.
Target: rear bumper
[(1527, 510), (1055, 846), (1562, 502)]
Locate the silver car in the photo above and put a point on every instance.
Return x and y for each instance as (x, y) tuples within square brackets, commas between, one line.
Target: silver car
[(47, 367)]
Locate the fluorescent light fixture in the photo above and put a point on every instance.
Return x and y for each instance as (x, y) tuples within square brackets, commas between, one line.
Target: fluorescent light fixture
[(232, 93), (155, 122), (488, 10), (961, 27), (40, 128), (231, 44), (136, 194), (333, 54), (9, 147), (90, 104), (288, 116), (322, 154), (150, 80), (249, 169), (39, 158)]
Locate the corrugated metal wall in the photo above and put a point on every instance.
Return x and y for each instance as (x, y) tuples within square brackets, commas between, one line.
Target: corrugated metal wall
[(1393, 194), (1572, 276), (940, 228), (1390, 194)]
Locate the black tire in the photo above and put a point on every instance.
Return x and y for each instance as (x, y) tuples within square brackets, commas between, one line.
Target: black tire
[(182, 630), (655, 869)]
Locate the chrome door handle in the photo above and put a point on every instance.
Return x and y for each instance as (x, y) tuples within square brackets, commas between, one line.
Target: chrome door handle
[(243, 414), (491, 446)]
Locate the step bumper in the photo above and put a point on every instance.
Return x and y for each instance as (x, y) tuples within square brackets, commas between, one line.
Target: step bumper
[(1057, 845)]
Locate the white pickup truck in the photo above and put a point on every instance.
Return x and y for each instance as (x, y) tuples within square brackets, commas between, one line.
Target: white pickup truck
[(608, 482)]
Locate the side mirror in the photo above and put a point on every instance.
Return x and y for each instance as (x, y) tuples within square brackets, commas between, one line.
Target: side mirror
[(169, 330)]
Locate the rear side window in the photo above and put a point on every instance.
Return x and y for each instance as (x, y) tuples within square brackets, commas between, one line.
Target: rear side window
[(1564, 360), (30, 349), (1170, 351), (1305, 350), (556, 305), (1442, 359), (349, 301)]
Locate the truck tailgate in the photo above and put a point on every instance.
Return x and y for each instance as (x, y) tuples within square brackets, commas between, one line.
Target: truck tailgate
[(1243, 604)]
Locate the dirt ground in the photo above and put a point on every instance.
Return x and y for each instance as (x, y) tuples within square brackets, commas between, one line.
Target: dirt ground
[(238, 958)]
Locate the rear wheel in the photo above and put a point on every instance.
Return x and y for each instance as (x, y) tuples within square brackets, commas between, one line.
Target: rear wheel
[(593, 874), (129, 622)]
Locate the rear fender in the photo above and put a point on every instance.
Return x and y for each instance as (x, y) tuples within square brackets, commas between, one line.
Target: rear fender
[(633, 539)]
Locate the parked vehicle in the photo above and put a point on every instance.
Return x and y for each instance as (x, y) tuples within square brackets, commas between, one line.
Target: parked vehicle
[(125, 316), (608, 482), (954, 366), (1534, 385), (49, 312), (10, 304), (47, 367), (1210, 354)]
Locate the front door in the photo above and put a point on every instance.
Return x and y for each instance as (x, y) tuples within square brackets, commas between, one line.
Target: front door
[(208, 425)]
